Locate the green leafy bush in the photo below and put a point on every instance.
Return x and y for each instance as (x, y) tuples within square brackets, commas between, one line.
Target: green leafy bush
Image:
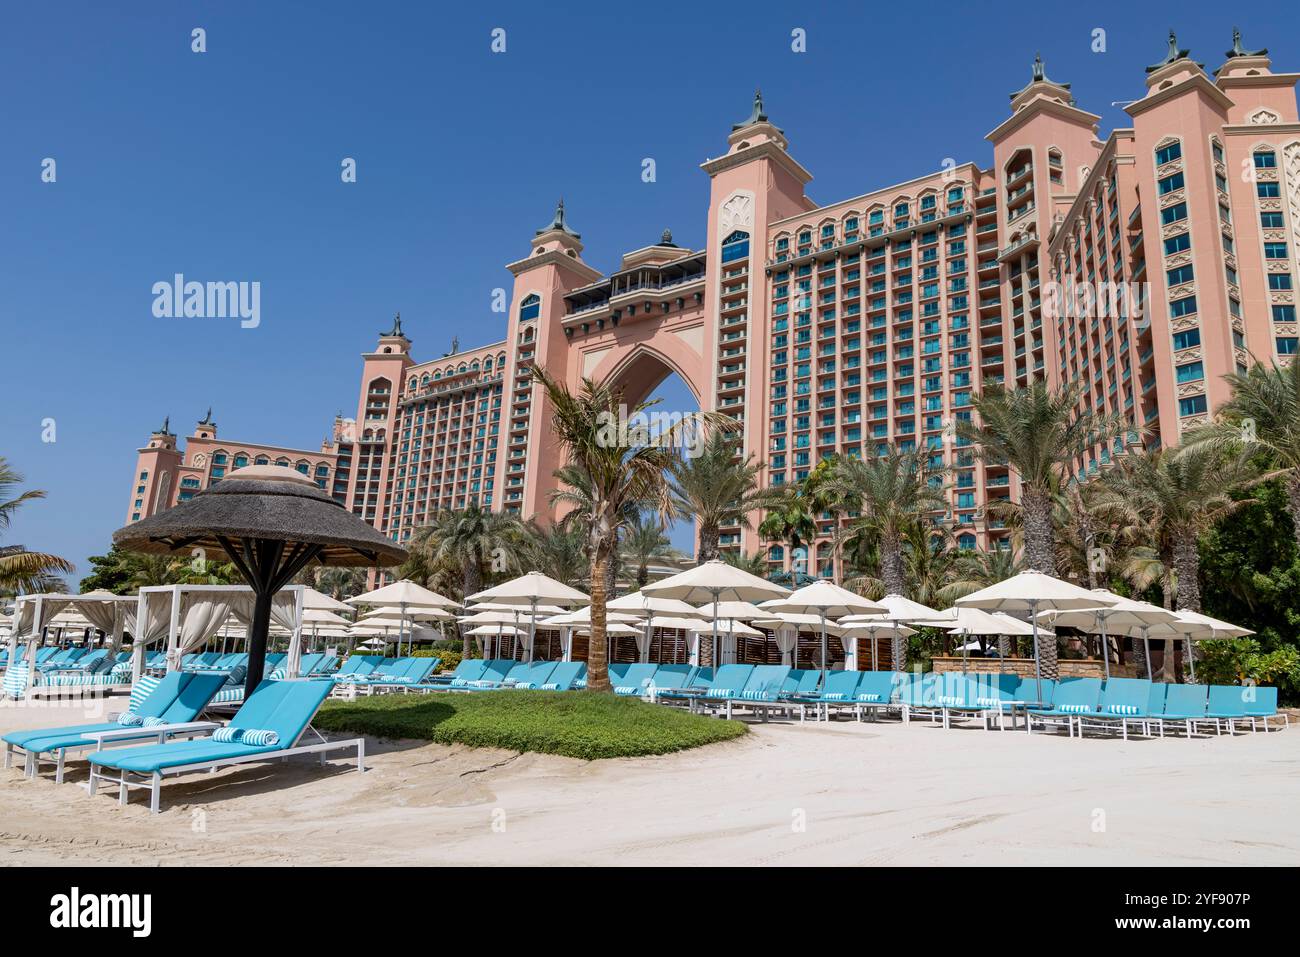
[(572, 723), (450, 658), (1233, 661)]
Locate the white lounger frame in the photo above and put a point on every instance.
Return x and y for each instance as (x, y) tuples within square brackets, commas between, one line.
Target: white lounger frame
[(153, 781), (95, 741)]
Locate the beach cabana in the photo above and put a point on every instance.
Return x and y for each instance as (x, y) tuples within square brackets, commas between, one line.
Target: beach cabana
[(271, 523)]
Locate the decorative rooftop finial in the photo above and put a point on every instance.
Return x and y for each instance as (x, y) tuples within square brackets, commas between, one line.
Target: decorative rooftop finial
[(1173, 54), (166, 426), (557, 222), (756, 116), (397, 327), (1038, 74), (666, 239), (1237, 49), (207, 418)]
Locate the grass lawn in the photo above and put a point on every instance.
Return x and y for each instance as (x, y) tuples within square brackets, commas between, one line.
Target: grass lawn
[(576, 724)]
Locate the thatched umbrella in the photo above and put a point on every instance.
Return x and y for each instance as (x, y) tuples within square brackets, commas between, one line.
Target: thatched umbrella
[(271, 522)]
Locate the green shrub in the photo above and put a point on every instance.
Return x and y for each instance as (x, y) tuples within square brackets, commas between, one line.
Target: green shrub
[(450, 658), (1230, 661), (575, 724)]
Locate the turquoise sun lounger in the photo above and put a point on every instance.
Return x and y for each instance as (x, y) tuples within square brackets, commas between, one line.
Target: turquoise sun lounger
[(1124, 701), (1074, 697), (170, 709), (267, 726)]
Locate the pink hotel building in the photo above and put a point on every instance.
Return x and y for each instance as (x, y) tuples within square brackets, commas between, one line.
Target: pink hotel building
[(836, 329)]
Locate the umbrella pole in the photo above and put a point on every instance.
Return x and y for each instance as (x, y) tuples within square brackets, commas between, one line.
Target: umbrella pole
[(1038, 669), (532, 628), (1146, 647), (823, 617), (874, 665), (1105, 644), (1191, 657), (716, 593)]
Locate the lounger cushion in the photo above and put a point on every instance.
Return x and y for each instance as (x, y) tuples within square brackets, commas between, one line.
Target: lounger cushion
[(142, 689), (150, 758)]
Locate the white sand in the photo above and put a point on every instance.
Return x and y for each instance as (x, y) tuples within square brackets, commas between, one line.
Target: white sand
[(786, 794)]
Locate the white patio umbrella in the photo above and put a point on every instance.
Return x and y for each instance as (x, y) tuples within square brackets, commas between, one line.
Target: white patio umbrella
[(899, 610), (1192, 625), (321, 619), (1124, 614), (532, 589), (824, 599), (404, 595), (311, 598), (713, 581), (1032, 592), (874, 627), (975, 621)]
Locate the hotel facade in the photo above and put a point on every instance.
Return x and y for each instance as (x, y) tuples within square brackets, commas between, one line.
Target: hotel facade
[(1145, 267)]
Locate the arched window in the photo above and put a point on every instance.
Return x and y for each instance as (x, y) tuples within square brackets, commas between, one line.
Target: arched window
[(412, 383), (282, 462), (261, 460), (735, 246), (241, 460), (487, 364), (530, 308)]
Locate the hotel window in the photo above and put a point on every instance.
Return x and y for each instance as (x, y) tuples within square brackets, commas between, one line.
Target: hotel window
[(1268, 190), (927, 202), (1170, 183), (1182, 307), (1192, 405), (1190, 372), (736, 246), (1167, 154), (261, 460), (1286, 345), (1265, 159), (1271, 221), (1180, 275), (1187, 339), (1279, 280), (218, 471), (530, 308), (1284, 313), (1173, 214), (1178, 244), (1275, 250), (900, 210)]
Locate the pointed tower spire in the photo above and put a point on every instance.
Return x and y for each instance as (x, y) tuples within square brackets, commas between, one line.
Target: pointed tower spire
[(166, 426), (756, 115), (1237, 49), (1172, 55), (557, 222), (397, 327), (1038, 74), (207, 418)]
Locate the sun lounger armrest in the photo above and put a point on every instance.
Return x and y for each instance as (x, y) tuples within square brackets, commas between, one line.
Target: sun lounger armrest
[(139, 731)]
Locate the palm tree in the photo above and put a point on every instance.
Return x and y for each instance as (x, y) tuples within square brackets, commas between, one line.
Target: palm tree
[(1039, 433), (893, 492), (558, 550), (20, 568), (1175, 496), (644, 543), (713, 489), (614, 476), (340, 582), (470, 539), (1263, 414), (755, 564), (790, 516)]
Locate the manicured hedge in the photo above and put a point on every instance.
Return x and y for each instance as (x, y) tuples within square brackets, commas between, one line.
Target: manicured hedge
[(576, 724)]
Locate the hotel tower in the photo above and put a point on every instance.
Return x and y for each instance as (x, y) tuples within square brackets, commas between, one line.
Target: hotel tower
[(1145, 266)]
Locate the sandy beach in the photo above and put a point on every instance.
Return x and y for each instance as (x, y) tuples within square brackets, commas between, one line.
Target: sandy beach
[(843, 793)]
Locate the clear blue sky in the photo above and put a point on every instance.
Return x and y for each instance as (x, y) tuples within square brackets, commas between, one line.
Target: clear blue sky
[(225, 166)]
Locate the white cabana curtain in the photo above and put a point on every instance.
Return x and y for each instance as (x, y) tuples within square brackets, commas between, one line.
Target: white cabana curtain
[(110, 617), (786, 637), (850, 643), (153, 623), (693, 647), (566, 643), (201, 616), (643, 636), (284, 613), (526, 642), (30, 618)]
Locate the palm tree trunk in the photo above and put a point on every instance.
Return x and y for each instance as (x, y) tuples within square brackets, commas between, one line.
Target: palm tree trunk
[(1140, 657), (597, 659), (642, 576), (1036, 513), (1187, 566), (1004, 647), (707, 542), (891, 573), (472, 583), (1168, 673)]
